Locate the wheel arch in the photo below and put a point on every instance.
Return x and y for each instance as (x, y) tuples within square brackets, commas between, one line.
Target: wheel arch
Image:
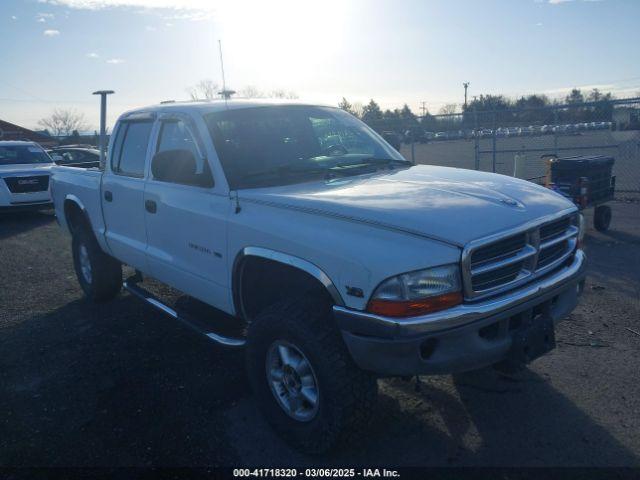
[(283, 261), (75, 214)]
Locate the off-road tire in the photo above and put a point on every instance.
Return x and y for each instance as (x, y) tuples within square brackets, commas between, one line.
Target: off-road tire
[(347, 394), (602, 218), (106, 272)]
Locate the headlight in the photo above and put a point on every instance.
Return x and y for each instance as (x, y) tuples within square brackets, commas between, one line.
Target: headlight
[(417, 293)]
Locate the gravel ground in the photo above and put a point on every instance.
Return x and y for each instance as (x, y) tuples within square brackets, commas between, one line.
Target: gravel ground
[(120, 384)]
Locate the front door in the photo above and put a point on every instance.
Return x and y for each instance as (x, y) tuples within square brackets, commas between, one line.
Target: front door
[(123, 193), (185, 218)]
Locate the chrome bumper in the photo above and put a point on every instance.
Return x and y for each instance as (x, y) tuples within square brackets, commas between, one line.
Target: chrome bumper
[(457, 339), (465, 313)]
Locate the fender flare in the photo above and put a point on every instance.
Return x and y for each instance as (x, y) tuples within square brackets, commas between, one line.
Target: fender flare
[(285, 259), (70, 198)]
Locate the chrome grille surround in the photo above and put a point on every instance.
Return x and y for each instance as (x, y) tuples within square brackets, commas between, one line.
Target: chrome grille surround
[(548, 242)]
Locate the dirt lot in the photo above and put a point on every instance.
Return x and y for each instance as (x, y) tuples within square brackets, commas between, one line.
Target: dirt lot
[(120, 384)]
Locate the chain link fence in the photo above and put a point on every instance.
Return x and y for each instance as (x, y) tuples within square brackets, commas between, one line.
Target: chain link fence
[(516, 141)]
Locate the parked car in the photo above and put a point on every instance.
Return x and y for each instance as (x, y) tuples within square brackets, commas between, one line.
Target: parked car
[(485, 133), (441, 136), (468, 134), (392, 138), (502, 132), (524, 131), (428, 136), (24, 176), (76, 156), (341, 260), (546, 129)]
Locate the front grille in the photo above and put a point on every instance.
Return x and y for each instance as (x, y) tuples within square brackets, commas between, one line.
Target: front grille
[(551, 254), (500, 249), (554, 229), (496, 265), (36, 183), (497, 277)]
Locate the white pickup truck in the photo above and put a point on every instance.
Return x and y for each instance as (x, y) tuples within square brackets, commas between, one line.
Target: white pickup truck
[(345, 261)]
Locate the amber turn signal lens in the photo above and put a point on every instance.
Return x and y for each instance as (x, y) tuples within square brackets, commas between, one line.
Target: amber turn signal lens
[(412, 308)]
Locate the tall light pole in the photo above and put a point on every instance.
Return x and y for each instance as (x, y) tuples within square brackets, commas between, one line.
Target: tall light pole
[(466, 86), (103, 122)]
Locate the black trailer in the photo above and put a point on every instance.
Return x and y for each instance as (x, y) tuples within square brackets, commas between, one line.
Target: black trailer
[(586, 180)]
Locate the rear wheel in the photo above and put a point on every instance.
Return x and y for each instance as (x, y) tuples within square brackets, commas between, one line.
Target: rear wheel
[(602, 218), (304, 378), (99, 274)]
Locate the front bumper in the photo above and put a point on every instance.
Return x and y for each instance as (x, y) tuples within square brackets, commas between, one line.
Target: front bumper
[(466, 337), (27, 206)]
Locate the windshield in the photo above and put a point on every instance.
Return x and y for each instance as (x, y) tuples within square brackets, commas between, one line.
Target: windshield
[(23, 154), (287, 144)]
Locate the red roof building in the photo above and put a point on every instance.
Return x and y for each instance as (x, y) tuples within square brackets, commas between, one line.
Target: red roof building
[(9, 131)]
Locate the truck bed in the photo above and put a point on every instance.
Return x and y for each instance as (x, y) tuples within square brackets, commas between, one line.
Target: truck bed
[(82, 185)]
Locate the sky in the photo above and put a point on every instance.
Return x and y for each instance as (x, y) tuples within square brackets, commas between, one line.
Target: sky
[(55, 53)]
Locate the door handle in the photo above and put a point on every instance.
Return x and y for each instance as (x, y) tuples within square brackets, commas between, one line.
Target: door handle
[(108, 196), (150, 206)]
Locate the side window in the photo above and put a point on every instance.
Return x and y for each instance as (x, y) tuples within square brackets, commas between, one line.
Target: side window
[(131, 148), (117, 146), (177, 159)]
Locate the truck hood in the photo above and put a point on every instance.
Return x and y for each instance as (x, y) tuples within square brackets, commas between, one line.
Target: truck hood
[(447, 204)]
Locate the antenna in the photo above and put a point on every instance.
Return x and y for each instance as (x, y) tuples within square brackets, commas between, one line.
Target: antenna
[(224, 82), (226, 94)]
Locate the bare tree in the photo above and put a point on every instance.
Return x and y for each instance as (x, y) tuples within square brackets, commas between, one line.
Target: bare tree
[(208, 90), (449, 109), (251, 92), (279, 93), (62, 123), (357, 109), (204, 90)]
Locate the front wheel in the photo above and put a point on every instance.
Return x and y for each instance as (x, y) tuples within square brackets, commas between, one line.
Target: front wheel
[(99, 275), (304, 378), (602, 218)]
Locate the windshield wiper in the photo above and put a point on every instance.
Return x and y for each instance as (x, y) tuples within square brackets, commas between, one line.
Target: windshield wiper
[(385, 161), (365, 163), (283, 171)]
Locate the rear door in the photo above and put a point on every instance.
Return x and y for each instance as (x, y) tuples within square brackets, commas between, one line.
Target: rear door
[(186, 217), (123, 192)]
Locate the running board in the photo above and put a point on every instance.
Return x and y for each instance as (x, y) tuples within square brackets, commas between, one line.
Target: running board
[(149, 298)]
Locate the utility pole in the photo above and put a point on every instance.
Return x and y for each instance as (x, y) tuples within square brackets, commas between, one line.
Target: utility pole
[(423, 107), (466, 86), (103, 122)]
